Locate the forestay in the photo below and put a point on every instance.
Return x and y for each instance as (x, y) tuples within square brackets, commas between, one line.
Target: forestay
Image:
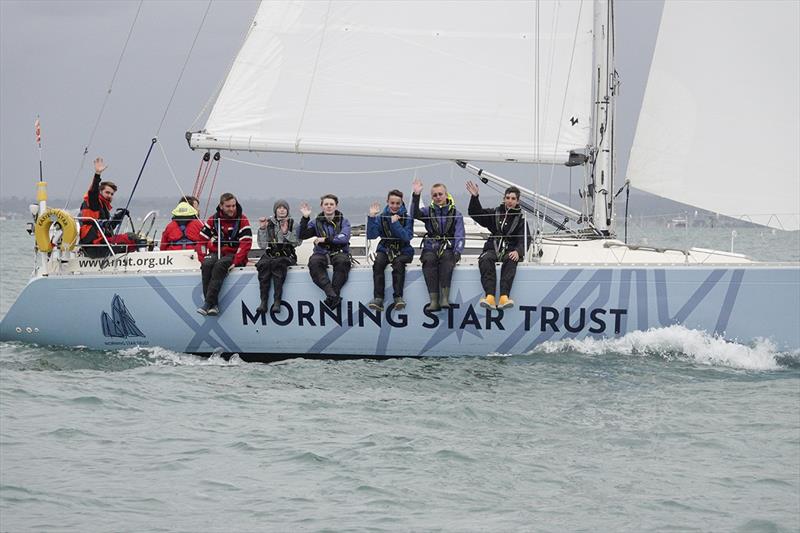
[(719, 123), (449, 80)]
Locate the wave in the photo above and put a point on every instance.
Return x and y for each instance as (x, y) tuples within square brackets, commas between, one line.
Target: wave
[(158, 356), (681, 343)]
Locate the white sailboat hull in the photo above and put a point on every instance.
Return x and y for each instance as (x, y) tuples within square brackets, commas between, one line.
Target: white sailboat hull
[(739, 302)]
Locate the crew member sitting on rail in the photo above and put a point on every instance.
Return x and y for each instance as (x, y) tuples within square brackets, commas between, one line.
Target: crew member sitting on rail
[(183, 232), (278, 238), (229, 239), (97, 207), (331, 245), (506, 245), (443, 243), (396, 229)]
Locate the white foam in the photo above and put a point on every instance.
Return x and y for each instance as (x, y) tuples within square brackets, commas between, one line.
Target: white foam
[(676, 342), (158, 356)]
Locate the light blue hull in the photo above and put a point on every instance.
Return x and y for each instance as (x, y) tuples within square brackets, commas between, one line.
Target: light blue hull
[(552, 303)]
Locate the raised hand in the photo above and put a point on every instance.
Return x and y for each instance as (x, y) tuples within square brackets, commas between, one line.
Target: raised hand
[(374, 209), (472, 188), (262, 223), (99, 165), (305, 209), (416, 186)]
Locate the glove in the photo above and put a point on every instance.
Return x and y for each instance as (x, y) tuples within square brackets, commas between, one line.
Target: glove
[(457, 256), (120, 213)]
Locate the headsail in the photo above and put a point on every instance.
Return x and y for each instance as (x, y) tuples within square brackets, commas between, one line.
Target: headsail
[(445, 80), (719, 122)]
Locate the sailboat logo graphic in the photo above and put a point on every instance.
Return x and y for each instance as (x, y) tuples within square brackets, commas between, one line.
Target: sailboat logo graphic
[(120, 323)]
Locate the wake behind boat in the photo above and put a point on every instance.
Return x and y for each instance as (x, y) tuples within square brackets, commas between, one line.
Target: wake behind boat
[(577, 280)]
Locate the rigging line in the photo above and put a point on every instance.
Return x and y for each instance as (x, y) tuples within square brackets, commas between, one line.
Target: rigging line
[(103, 106), (313, 76), (174, 177), (335, 172), (564, 100), (537, 97), (183, 69)]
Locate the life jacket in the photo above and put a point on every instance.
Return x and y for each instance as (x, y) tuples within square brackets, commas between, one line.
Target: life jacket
[(506, 222), (392, 244), (89, 232), (184, 242), (275, 248), (327, 229), (227, 236), (442, 235)]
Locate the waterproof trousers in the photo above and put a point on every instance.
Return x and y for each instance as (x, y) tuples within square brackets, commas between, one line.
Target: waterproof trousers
[(273, 269), (398, 274), (318, 267), (214, 273), (486, 265), (438, 269)]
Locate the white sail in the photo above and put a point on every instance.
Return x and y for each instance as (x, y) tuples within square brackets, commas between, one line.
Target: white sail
[(449, 80), (720, 122)]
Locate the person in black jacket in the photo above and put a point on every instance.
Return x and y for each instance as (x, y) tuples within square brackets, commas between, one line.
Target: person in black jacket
[(507, 245)]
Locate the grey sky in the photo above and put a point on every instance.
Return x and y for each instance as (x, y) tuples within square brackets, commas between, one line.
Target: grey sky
[(57, 59)]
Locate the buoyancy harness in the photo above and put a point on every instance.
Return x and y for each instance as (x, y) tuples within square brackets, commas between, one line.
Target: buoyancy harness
[(89, 232), (184, 242), (229, 237), (506, 222), (446, 233), (277, 247), (392, 244), (321, 226)]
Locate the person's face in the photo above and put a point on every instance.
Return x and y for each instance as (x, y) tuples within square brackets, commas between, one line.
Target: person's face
[(107, 193), (328, 206), (229, 207), (196, 205), (394, 203), (439, 195), (511, 200), (281, 212)]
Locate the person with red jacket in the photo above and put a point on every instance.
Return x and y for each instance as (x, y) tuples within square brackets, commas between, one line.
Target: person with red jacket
[(96, 206), (183, 232), (229, 239)]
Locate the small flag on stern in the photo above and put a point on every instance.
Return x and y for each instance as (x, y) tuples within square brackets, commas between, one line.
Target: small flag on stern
[(38, 131)]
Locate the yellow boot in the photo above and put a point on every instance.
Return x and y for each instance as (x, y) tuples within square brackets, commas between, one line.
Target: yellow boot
[(505, 302), (488, 301)]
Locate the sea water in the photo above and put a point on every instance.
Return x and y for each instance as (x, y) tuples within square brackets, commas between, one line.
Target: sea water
[(664, 430)]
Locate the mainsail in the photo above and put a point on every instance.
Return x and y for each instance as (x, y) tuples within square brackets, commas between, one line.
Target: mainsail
[(491, 81), (720, 122)]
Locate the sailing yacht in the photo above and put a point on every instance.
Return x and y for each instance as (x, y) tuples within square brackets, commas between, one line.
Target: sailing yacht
[(471, 83)]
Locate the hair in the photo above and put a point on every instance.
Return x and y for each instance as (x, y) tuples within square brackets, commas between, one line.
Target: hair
[(329, 195), (104, 184), (442, 185), (394, 192), (225, 197), (189, 200), (514, 190)]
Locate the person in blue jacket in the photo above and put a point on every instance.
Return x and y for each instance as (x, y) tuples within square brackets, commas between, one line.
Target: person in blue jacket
[(443, 244), (331, 232), (396, 229)]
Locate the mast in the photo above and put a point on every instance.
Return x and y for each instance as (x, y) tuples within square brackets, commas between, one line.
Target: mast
[(601, 159)]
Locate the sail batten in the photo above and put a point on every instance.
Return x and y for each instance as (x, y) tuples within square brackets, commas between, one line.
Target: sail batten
[(443, 80), (719, 122)]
